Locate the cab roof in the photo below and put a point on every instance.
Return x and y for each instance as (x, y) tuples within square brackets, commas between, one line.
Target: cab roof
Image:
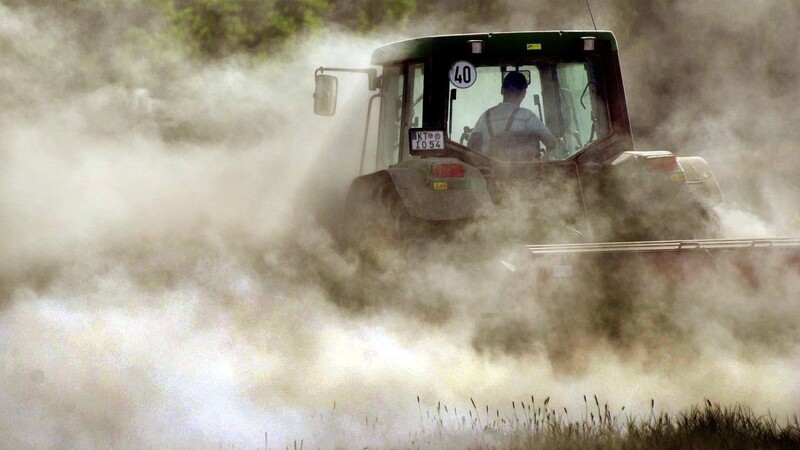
[(495, 44)]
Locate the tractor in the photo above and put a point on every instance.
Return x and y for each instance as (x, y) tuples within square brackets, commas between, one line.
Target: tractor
[(589, 190)]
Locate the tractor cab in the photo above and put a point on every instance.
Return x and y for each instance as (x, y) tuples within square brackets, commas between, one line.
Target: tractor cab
[(447, 83)]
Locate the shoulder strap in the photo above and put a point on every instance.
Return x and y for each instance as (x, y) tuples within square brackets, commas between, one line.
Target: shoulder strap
[(511, 119), (508, 125)]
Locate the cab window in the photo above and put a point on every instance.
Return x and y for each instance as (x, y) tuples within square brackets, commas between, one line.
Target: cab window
[(391, 117), (563, 96), (583, 114), (416, 85)]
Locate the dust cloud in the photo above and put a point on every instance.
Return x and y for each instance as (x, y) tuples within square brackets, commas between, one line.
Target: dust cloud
[(167, 281), (720, 80)]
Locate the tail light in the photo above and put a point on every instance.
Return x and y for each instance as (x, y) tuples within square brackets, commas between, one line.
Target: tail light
[(447, 170), (665, 163)]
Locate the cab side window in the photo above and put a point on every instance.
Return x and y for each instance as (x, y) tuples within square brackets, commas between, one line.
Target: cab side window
[(416, 85), (582, 110), (391, 116)]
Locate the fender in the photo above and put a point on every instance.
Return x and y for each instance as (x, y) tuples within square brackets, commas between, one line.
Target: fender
[(435, 198), (688, 177), (655, 195), (698, 173)]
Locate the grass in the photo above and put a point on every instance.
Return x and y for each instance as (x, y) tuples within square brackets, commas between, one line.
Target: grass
[(527, 426)]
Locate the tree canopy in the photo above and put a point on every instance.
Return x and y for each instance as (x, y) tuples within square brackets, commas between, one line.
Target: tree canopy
[(216, 28)]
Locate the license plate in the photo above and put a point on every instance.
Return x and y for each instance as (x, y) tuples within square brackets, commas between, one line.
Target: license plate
[(426, 140)]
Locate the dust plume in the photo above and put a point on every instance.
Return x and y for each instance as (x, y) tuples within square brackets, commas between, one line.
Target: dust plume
[(720, 80), (169, 281)]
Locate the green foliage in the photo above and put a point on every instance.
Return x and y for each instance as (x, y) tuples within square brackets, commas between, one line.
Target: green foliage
[(375, 13), (218, 28), (292, 17), (211, 25), (368, 15)]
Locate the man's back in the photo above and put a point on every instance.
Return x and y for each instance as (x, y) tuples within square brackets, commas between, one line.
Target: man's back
[(506, 130)]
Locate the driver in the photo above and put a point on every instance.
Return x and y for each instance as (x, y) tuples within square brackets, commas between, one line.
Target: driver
[(510, 128)]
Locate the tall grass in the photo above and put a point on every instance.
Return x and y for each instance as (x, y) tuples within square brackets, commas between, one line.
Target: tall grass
[(530, 426)]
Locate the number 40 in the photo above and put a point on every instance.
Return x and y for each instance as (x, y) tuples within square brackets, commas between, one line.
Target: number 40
[(463, 74)]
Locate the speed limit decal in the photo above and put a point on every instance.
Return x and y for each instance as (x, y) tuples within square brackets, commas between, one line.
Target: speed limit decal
[(463, 74)]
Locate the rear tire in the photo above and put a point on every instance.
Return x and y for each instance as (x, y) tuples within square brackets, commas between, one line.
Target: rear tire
[(377, 224)]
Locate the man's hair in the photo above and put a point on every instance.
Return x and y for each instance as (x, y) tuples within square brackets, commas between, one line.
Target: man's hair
[(514, 83)]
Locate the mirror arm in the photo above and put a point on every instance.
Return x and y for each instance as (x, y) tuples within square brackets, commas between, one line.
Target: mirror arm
[(372, 74)]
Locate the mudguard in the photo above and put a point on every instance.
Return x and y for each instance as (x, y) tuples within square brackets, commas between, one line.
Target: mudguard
[(654, 195), (429, 198), (697, 172), (689, 177)]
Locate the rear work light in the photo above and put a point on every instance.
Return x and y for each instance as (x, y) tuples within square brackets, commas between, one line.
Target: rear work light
[(476, 47), (666, 163), (447, 170)]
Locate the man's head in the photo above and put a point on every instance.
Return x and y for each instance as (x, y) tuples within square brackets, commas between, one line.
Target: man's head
[(514, 86)]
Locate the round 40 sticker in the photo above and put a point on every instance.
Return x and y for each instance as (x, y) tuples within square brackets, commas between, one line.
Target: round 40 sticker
[(463, 74)]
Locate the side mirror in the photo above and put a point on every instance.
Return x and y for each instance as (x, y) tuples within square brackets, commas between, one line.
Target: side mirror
[(326, 87)]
